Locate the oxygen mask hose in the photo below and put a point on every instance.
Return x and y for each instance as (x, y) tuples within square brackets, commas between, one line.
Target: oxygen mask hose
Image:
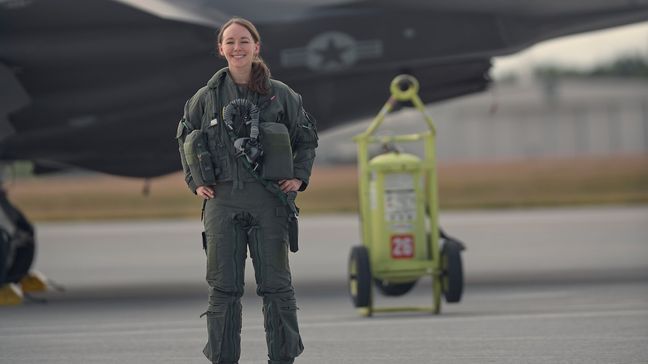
[(248, 113)]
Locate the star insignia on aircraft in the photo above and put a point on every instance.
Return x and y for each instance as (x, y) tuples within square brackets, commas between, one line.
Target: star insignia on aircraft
[(331, 51)]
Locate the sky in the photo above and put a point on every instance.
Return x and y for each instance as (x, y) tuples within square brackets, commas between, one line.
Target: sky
[(578, 51)]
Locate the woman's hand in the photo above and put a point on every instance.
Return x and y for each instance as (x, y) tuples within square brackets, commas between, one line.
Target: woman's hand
[(289, 185), (205, 192)]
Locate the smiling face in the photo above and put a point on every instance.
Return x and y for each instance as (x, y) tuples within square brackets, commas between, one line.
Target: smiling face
[(239, 48)]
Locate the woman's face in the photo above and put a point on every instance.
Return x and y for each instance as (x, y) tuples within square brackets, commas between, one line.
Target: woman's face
[(238, 47)]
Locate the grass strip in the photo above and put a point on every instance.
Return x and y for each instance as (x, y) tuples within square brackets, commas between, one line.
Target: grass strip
[(487, 185)]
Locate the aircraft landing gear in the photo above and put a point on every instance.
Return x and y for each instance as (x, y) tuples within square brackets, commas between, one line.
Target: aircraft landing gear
[(17, 248), (14, 293)]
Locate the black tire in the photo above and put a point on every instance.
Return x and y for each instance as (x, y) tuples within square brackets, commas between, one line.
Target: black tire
[(21, 243), (360, 277), (22, 260), (452, 280), (394, 289), (5, 241)]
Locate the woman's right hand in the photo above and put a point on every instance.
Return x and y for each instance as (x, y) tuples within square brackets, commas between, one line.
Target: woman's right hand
[(205, 192)]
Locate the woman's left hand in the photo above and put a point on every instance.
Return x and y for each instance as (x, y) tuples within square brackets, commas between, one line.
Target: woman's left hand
[(289, 185)]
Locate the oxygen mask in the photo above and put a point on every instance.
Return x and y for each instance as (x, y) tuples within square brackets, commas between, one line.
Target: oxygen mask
[(250, 148)]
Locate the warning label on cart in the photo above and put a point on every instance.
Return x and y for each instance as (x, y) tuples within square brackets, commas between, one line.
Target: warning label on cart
[(402, 246), (400, 198)]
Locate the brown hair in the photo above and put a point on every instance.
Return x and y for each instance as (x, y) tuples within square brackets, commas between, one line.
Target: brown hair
[(260, 71)]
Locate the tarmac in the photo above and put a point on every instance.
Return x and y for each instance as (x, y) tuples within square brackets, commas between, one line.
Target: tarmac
[(542, 286)]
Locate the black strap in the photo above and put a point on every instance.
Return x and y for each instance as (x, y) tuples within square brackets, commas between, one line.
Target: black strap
[(202, 211)]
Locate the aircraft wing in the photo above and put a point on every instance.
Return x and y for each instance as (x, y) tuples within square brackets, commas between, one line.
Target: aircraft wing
[(101, 84)]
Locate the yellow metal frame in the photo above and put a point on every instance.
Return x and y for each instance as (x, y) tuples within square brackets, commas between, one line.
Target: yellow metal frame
[(13, 294), (402, 270), (34, 281), (10, 294)]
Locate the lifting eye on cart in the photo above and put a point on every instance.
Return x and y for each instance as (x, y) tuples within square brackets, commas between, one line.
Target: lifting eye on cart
[(401, 237)]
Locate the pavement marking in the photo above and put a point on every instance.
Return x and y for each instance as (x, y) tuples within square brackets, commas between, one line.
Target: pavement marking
[(137, 325), (536, 316), (375, 321)]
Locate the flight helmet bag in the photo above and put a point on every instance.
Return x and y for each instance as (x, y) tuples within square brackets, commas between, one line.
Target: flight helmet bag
[(277, 153)]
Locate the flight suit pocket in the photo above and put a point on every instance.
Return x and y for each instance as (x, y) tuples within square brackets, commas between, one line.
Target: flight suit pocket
[(183, 128), (219, 154), (308, 131), (223, 165), (215, 265)]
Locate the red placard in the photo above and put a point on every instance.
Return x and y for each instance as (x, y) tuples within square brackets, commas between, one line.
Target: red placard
[(402, 246)]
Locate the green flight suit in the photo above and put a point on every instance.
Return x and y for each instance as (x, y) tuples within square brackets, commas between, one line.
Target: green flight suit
[(243, 214)]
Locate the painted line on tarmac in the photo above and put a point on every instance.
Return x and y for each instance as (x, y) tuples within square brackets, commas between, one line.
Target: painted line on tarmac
[(375, 321), (447, 319)]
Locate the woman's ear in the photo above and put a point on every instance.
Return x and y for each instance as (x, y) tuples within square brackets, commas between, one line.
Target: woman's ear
[(257, 49)]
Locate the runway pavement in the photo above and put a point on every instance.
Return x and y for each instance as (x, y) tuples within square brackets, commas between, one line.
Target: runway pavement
[(543, 286)]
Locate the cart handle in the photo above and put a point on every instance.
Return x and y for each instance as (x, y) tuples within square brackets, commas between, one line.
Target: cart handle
[(402, 88)]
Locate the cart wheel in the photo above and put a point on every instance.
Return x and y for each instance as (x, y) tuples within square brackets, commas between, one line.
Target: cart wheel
[(360, 277), (394, 289), (452, 282)]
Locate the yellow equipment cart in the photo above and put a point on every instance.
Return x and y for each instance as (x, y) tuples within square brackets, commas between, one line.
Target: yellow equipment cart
[(402, 240)]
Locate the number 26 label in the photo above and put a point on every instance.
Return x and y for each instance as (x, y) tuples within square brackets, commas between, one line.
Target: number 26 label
[(402, 246)]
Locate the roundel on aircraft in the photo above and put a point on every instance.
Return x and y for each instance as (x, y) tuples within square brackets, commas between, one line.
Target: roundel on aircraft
[(331, 51)]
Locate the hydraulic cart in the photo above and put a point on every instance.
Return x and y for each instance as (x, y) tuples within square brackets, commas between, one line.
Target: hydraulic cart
[(401, 237)]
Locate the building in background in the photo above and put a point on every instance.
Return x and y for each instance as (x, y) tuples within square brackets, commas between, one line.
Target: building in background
[(554, 118)]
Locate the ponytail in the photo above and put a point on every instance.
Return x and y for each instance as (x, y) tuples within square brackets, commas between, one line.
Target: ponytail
[(259, 77)]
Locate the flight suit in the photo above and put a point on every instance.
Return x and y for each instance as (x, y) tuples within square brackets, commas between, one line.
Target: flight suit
[(245, 215)]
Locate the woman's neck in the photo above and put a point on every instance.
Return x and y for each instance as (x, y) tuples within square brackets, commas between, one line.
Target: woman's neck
[(240, 77)]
